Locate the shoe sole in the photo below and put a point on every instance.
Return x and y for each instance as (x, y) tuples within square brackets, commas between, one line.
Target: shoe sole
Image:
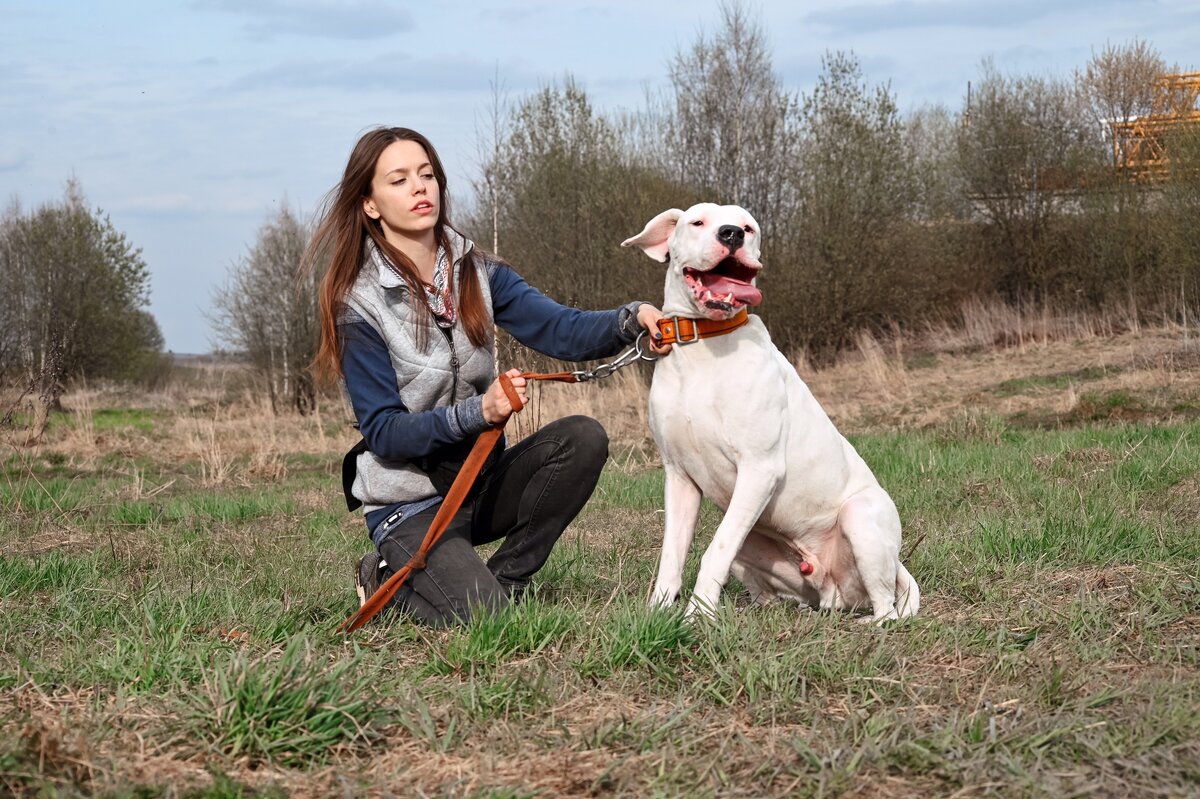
[(359, 588)]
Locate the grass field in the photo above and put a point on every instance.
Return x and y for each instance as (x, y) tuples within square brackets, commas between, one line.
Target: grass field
[(172, 571)]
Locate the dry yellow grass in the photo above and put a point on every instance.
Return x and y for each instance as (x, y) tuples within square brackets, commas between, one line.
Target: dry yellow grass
[(907, 380), (933, 378)]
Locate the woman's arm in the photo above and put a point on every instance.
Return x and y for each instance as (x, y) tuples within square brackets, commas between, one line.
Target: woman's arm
[(540, 323), (392, 431)]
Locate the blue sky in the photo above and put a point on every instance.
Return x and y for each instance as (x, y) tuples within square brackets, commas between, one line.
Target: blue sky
[(189, 123)]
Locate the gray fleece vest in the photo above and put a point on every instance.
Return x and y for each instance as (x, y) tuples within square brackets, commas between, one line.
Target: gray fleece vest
[(424, 378)]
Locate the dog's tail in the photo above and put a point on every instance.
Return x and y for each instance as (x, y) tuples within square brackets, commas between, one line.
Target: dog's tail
[(908, 596)]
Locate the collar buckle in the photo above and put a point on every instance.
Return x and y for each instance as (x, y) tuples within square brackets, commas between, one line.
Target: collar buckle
[(679, 339)]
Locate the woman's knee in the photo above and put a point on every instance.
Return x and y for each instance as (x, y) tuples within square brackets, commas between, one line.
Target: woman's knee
[(450, 599), (585, 437), (486, 596)]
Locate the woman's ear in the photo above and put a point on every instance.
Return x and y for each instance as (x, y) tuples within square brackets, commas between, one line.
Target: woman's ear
[(369, 208)]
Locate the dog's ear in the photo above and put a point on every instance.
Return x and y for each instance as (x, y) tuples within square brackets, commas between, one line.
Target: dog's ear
[(653, 238)]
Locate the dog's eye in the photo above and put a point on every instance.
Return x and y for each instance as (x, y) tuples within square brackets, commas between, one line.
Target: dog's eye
[(698, 223), (748, 229)]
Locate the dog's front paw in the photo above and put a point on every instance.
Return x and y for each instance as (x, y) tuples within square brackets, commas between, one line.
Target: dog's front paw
[(700, 609), (663, 597)]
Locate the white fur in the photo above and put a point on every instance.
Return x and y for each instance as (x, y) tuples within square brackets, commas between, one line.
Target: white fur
[(735, 423)]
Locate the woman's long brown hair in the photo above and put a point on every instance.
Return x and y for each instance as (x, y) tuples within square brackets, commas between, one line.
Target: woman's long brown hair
[(342, 235)]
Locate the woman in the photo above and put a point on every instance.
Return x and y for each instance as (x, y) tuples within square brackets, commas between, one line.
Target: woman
[(406, 315)]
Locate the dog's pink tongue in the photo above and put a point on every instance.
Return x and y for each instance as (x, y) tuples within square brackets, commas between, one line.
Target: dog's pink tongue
[(721, 286)]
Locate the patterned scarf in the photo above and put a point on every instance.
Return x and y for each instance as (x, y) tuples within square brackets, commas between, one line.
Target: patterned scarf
[(438, 294)]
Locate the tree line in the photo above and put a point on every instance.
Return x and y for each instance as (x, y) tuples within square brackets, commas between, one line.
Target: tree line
[(872, 218)]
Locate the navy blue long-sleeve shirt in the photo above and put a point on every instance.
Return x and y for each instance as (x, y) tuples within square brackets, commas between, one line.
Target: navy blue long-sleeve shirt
[(395, 432)]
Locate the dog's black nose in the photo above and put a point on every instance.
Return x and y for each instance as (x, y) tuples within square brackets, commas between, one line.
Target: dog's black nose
[(731, 236)]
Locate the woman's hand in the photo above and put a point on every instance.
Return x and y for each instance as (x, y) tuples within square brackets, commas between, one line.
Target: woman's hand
[(648, 317), (496, 407)]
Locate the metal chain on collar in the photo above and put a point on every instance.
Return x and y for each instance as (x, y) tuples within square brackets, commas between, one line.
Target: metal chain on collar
[(631, 355)]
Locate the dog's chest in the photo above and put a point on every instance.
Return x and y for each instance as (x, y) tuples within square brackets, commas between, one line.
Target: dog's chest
[(715, 406)]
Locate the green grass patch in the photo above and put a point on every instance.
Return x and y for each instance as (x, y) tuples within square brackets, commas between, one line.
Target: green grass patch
[(638, 490), (527, 628), (57, 571), (635, 636), (121, 418), (1057, 648), (31, 493), (229, 506), (1057, 380), (291, 708)]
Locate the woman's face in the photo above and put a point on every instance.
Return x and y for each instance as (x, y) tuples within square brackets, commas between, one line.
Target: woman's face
[(404, 195)]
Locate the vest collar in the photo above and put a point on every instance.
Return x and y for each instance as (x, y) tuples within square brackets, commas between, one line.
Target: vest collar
[(389, 278)]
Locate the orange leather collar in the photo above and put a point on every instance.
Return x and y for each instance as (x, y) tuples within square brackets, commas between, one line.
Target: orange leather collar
[(681, 330)]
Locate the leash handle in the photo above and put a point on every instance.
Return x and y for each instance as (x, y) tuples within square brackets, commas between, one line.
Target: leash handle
[(450, 504), (510, 391)]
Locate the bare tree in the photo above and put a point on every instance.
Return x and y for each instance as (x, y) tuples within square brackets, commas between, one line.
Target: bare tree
[(554, 195), (1177, 229), (490, 143), (1117, 85), (491, 163), (732, 128), (268, 310), (1023, 160), (858, 193), (572, 189), (929, 146)]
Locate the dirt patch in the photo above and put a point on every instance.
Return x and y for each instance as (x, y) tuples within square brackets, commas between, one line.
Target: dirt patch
[(1181, 501)]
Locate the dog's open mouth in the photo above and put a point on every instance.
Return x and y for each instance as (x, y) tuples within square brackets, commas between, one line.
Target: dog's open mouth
[(728, 286)]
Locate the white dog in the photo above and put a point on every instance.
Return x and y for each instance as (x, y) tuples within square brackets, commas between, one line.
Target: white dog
[(805, 519)]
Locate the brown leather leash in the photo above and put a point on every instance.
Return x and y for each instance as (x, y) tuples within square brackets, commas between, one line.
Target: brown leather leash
[(450, 504), (674, 330)]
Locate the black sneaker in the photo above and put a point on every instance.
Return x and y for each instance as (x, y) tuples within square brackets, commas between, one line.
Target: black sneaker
[(368, 575), (515, 591)]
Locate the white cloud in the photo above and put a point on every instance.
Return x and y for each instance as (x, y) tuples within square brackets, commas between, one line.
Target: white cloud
[(12, 159), (863, 18), (154, 203), (327, 19), (396, 72)]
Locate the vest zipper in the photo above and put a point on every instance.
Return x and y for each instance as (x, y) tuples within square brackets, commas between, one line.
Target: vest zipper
[(449, 334)]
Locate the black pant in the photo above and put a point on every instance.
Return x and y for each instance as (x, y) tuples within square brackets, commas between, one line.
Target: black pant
[(528, 497)]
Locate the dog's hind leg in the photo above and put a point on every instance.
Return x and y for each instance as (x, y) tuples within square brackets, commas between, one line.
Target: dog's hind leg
[(751, 493), (871, 526), (753, 567), (683, 506)]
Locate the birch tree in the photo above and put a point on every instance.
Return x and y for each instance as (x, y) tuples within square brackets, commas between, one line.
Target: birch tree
[(267, 310), (731, 127)]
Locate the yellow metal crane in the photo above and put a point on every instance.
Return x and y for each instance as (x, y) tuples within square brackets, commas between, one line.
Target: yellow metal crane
[(1142, 145)]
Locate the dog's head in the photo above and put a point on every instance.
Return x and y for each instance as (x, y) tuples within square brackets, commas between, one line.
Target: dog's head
[(712, 252)]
